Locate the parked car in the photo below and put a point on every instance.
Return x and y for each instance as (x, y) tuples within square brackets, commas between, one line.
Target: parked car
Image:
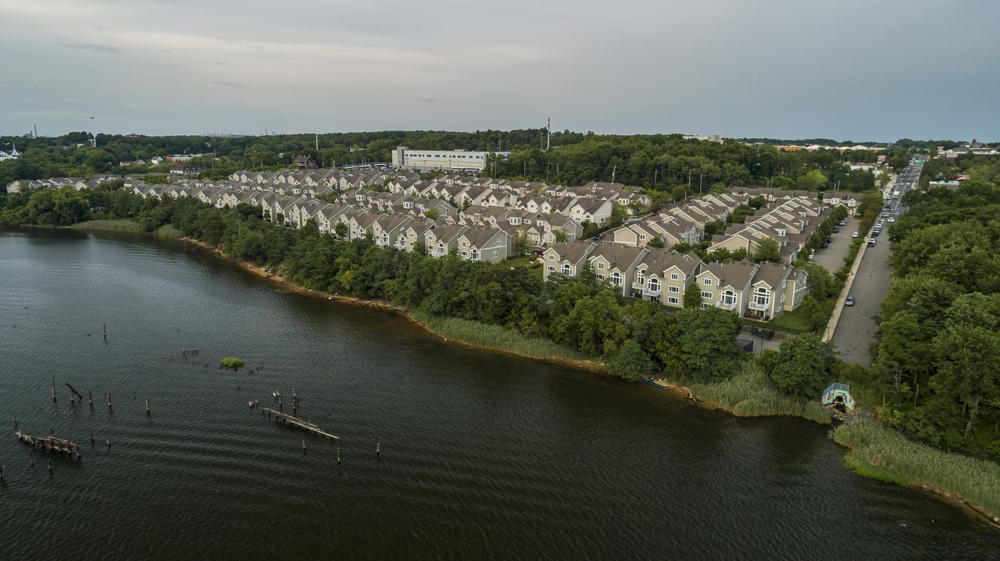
[(855, 235), (843, 223), (849, 301), (891, 220), (836, 229), (871, 242)]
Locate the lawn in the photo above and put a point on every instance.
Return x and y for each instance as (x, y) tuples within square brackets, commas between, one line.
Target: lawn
[(794, 322)]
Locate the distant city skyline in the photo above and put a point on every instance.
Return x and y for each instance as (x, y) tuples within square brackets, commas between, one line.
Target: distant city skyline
[(843, 70)]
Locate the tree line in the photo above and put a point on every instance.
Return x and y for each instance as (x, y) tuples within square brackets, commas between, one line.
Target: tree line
[(937, 358)]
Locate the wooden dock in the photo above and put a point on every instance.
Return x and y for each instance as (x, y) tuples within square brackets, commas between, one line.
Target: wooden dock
[(51, 444), (286, 419)]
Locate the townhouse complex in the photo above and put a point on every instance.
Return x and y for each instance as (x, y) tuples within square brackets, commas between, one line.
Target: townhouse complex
[(488, 219)]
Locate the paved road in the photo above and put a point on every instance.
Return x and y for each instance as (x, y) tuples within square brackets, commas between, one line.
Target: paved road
[(832, 258), (856, 329)]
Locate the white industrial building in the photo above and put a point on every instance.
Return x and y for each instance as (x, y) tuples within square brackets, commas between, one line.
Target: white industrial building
[(451, 160)]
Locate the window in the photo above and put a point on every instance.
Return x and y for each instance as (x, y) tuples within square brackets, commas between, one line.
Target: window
[(494, 253), (642, 237), (729, 297), (654, 285), (600, 277), (673, 276), (567, 270), (600, 265), (761, 297), (640, 279), (672, 300), (707, 282), (706, 294), (551, 268), (673, 289), (616, 278)]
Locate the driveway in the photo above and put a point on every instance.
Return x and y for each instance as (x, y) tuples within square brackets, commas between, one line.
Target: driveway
[(832, 258)]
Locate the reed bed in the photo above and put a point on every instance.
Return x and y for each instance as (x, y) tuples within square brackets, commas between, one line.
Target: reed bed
[(110, 226), (169, 231), (880, 452), (496, 337), (749, 394)]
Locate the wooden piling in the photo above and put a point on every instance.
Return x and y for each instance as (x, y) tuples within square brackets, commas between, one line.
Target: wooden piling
[(90, 398), (109, 401), (50, 466), (52, 390), (338, 455), (378, 449), (147, 408), (303, 446)]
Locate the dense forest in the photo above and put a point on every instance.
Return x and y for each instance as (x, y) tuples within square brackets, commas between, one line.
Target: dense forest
[(937, 358), (654, 161)]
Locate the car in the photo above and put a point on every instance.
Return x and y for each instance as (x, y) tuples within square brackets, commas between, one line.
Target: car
[(855, 235), (849, 301), (836, 229), (872, 242), (843, 223), (829, 239), (892, 220)]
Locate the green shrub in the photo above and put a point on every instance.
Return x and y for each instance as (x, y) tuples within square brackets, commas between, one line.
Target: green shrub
[(231, 362)]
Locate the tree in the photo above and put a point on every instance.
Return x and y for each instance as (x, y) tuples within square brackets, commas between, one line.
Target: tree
[(708, 343), (968, 372), (341, 230), (692, 297), (767, 250), (656, 242), (630, 362), (812, 180), (802, 366)]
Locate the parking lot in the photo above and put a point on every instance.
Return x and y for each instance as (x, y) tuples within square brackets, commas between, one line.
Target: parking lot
[(832, 258)]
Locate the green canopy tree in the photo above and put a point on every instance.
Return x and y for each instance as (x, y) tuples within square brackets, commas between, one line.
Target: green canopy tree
[(630, 362), (708, 343), (802, 366)]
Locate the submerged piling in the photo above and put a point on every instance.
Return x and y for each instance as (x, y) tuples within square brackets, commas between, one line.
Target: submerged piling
[(147, 408)]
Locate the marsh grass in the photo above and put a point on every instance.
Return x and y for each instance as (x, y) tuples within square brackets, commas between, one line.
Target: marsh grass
[(749, 394), (109, 226), (169, 231), (496, 337), (880, 452)]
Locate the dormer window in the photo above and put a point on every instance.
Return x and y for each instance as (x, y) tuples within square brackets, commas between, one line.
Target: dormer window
[(707, 282)]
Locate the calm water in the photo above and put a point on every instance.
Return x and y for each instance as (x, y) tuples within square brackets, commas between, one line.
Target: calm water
[(483, 456)]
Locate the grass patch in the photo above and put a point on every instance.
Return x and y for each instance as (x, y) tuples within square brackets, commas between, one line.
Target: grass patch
[(795, 321), (169, 231), (880, 452), (497, 338), (749, 394), (109, 226)]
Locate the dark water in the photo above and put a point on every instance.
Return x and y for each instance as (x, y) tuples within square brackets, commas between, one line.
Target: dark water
[(483, 456)]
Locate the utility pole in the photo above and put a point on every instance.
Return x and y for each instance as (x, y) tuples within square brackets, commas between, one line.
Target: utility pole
[(317, 142), (614, 168), (498, 141), (701, 181), (548, 133)]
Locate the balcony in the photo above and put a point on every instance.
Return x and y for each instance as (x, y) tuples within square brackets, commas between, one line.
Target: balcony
[(651, 292), (727, 305), (755, 306)]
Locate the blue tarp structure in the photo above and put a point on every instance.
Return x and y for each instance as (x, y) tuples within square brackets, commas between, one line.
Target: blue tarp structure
[(838, 394)]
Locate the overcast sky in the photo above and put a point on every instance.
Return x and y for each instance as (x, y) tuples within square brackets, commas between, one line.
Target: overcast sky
[(844, 69)]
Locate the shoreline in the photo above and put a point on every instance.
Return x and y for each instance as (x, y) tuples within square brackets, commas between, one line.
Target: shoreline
[(661, 384)]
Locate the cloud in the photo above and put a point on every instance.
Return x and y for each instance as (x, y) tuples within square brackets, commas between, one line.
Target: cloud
[(228, 84), (94, 47)]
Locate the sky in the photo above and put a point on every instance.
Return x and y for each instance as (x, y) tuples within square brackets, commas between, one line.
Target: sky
[(844, 69)]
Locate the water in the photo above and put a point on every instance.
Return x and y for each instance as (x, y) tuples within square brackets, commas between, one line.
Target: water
[(483, 456)]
